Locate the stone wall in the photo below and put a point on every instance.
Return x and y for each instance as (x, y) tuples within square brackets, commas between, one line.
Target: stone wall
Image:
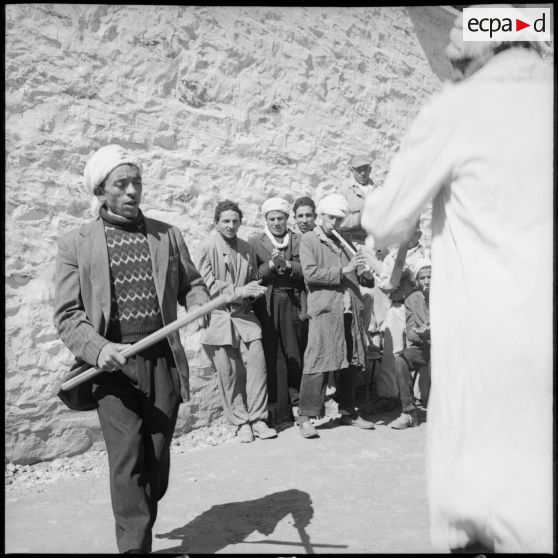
[(240, 102)]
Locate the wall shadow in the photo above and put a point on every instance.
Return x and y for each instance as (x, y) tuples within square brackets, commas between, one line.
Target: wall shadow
[(231, 523)]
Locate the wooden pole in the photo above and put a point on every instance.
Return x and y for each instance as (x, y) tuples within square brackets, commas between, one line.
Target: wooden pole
[(398, 265), (153, 338), (344, 242), (348, 247)]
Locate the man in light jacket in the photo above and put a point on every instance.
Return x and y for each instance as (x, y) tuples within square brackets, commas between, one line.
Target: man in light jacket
[(233, 339)]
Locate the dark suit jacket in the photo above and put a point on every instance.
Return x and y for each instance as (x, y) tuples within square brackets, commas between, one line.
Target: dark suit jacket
[(264, 248), (83, 297)]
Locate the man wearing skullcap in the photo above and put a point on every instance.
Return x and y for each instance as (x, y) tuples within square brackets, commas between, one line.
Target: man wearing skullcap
[(416, 356), (233, 340), (482, 152), (336, 334), (119, 279), (282, 312)]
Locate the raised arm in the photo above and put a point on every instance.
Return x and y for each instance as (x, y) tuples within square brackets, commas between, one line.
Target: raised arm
[(418, 171)]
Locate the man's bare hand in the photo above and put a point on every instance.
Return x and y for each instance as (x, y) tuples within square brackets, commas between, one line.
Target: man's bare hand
[(368, 260), (351, 266), (278, 260), (199, 323), (110, 359), (252, 290)]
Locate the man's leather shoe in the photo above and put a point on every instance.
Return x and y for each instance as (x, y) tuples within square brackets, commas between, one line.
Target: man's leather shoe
[(405, 420), (359, 422), (245, 434), (262, 431), (306, 428)]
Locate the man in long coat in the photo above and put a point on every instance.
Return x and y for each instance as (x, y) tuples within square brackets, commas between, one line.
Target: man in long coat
[(118, 279), (233, 339), (483, 151), (336, 335), (280, 312)]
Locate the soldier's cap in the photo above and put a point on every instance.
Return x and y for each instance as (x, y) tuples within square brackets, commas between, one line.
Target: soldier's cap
[(359, 161)]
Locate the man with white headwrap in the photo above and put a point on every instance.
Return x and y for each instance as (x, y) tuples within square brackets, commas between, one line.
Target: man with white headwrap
[(336, 334), (416, 355), (482, 150), (281, 312), (118, 279)]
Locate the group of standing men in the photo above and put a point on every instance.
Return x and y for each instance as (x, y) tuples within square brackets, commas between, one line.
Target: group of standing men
[(300, 291), (310, 308)]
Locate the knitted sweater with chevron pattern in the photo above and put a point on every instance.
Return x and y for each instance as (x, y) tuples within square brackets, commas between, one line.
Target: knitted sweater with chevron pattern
[(135, 311)]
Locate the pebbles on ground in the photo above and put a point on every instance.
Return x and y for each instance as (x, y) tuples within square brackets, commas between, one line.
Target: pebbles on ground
[(19, 478)]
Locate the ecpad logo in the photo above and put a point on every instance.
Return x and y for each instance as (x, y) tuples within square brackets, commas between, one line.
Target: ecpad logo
[(506, 24)]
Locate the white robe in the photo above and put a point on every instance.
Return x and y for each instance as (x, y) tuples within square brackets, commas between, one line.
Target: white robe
[(482, 150)]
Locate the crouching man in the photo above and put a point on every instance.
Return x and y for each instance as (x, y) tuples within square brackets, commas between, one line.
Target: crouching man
[(417, 354), (118, 279)]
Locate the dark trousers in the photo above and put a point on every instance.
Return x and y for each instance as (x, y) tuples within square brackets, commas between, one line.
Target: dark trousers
[(138, 406), (285, 332), (313, 386), (412, 358)]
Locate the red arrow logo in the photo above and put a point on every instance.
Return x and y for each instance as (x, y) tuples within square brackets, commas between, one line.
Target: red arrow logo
[(519, 25)]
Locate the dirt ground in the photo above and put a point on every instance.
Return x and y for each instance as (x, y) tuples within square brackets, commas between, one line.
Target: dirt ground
[(349, 491)]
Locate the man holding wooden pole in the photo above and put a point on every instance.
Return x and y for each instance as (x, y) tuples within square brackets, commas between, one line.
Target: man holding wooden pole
[(118, 280)]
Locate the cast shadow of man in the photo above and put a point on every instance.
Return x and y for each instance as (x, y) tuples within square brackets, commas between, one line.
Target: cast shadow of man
[(226, 524)]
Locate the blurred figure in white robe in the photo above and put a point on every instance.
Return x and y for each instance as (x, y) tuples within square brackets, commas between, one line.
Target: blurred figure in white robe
[(482, 152)]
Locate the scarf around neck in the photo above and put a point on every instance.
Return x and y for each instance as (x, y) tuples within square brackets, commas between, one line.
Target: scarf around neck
[(279, 245), (119, 221)]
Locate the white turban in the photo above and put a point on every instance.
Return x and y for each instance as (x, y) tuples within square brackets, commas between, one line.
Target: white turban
[(333, 204), (104, 161), (275, 204), (422, 263)]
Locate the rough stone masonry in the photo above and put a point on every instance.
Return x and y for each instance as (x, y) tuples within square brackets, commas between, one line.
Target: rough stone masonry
[(241, 102)]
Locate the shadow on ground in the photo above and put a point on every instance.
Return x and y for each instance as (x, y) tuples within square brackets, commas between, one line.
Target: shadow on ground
[(226, 524)]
